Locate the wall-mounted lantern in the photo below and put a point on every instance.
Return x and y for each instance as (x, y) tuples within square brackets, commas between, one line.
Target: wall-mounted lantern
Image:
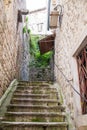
[(53, 19), (56, 17)]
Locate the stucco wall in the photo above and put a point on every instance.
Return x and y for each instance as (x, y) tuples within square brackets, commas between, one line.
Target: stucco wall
[(74, 23), (10, 39), (38, 21)]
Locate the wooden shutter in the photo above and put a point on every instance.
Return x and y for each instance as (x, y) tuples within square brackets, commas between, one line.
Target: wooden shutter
[(82, 70)]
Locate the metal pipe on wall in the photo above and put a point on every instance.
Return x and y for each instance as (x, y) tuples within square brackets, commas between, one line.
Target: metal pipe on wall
[(49, 2)]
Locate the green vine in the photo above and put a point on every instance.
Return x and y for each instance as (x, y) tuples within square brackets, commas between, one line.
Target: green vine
[(25, 28)]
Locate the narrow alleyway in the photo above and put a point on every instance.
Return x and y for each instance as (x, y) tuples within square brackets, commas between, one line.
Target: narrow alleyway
[(35, 106), (43, 65)]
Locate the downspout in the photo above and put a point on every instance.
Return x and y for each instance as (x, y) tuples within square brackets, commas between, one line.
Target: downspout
[(49, 2)]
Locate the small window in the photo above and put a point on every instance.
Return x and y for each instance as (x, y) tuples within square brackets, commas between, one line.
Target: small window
[(40, 27)]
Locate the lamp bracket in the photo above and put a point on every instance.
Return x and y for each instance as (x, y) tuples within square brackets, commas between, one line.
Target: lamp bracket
[(60, 8)]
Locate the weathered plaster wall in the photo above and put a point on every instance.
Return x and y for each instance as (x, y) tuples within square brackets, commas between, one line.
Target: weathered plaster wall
[(38, 21), (24, 69), (10, 39), (74, 23)]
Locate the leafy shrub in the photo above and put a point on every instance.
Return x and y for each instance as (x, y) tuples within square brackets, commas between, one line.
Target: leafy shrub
[(38, 59)]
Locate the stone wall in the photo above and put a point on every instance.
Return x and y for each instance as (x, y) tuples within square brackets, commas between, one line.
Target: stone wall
[(24, 68), (41, 74), (44, 73), (74, 23), (10, 39)]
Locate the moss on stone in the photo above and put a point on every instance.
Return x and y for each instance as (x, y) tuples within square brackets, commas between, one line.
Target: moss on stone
[(6, 98), (39, 119)]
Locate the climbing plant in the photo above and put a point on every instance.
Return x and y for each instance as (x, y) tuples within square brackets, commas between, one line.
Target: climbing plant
[(38, 60), (25, 28)]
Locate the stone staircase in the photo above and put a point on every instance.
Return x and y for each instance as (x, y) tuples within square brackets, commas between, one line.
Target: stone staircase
[(35, 106)]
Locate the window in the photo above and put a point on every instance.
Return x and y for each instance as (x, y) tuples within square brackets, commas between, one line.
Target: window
[(40, 27)]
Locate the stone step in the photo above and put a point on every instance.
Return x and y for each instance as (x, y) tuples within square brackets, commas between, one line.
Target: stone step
[(28, 101), (36, 96), (35, 108), (35, 117), (34, 126), (35, 83), (36, 92), (53, 95), (36, 86), (47, 88)]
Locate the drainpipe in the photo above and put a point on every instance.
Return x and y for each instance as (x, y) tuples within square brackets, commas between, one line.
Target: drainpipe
[(49, 2)]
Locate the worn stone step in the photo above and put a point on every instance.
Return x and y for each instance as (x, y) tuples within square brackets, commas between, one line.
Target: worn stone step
[(34, 126), (35, 108), (35, 116), (36, 86), (36, 92), (28, 101), (53, 95), (36, 96), (35, 83), (33, 88)]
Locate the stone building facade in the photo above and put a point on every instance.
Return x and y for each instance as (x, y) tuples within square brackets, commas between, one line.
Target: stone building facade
[(71, 38), (38, 21), (10, 41)]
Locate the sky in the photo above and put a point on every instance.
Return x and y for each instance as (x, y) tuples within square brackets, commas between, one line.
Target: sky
[(35, 4)]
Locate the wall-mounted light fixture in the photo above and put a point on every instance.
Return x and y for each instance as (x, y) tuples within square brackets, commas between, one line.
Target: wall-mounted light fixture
[(53, 19), (56, 16)]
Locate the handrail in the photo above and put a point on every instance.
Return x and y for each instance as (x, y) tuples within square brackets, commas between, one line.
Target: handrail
[(71, 84)]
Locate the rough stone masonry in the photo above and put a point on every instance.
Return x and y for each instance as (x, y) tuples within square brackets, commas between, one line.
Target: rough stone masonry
[(10, 41)]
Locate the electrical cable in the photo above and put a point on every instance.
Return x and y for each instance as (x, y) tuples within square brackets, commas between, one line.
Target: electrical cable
[(71, 84)]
